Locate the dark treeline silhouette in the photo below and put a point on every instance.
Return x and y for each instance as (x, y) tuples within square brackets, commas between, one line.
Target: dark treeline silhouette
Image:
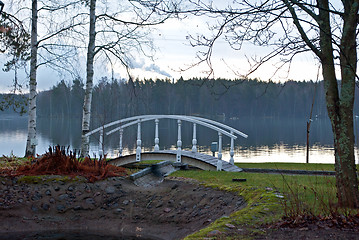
[(216, 99)]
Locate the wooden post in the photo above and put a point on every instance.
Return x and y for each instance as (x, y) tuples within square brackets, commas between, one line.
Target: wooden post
[(157, 140), (138, 149), (220, 146), (121, 136), (231, 153), (179, 143), (194, 140)]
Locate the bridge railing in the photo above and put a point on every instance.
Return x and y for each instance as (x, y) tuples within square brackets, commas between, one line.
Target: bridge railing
[(222, 129)]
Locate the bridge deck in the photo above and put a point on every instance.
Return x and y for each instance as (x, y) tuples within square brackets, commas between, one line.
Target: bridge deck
[(200, 160)]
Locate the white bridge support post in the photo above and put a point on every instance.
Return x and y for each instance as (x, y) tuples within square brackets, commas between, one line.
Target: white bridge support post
[(231, 152), (138, 149), (157, 140), (219, 162), (179, 143), (121, 147), (100, 144), (194, 140)]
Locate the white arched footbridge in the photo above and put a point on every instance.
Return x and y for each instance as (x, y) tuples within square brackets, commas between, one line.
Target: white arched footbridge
[(202, 161)]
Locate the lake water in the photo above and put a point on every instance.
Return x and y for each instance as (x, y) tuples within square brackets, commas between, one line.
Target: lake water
[(270, 140)]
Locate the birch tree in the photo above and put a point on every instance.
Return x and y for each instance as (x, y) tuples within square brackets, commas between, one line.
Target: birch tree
[(51, 53), (31, 141), (115, 34), (327, 29)]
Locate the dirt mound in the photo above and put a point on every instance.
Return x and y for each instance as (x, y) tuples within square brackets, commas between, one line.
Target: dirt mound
[(56, 162)]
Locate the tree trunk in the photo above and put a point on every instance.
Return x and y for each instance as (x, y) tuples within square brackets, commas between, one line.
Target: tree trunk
[(31, 137), (86, 115), (340, 107)]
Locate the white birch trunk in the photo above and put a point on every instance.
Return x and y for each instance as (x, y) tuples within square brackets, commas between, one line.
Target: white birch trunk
[(31, 136), (86, 115)]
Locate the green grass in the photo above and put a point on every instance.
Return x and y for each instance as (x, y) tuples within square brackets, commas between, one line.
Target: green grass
[(289, 166), (281, 183), (269, 197)]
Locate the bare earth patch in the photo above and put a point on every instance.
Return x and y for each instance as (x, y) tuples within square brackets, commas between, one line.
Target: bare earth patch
[(115, 206)]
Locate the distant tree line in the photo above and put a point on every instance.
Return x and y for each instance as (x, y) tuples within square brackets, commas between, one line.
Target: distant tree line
[(216, 99)]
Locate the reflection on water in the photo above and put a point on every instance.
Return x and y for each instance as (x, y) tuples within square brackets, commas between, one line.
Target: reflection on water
[(280, 140)]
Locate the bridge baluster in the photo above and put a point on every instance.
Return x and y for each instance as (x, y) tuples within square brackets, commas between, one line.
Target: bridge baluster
[(100, 144), (121, 148), (219, 162), (231, 153), (220, 146), (157, 140), (194, 140), (179, 143), (138, 149)]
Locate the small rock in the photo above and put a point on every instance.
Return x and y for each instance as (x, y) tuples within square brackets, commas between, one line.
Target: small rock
[(208, 221), (37, 196), (51, 200), (56, 188), (48, 192), (61, 182), (20, 200), (77, 208), (119, 210), (97, 194), (45, 206), (279, 196), (114, 205), (88, 188), (34, 208), (167, 210), (60, 208), (110, 190), (125, 202), (70, 188), (63, 196), (78, 193), (90, 201), (230, 225), (269, 189), (214, 233)]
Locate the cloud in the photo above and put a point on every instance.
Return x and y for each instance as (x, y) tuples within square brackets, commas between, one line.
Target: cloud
[(141, 64), (137, 64), (157, 69)]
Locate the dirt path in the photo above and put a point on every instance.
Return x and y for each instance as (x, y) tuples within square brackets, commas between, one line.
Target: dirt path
[(115, 206)]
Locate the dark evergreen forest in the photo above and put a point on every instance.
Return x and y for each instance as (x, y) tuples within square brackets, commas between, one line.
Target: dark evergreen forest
[(217, 99)]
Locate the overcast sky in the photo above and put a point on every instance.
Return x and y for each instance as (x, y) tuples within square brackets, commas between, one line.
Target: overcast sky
[(174, 53)]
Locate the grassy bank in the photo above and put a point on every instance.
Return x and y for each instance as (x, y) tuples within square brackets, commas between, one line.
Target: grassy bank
[(289, 166), (269, 197)]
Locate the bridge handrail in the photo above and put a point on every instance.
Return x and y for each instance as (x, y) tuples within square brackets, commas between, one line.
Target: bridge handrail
[(199, 120), (184, 118), (221, 125)]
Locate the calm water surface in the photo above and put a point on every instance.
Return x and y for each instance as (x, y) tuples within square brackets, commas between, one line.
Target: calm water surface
[(270, 140)]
